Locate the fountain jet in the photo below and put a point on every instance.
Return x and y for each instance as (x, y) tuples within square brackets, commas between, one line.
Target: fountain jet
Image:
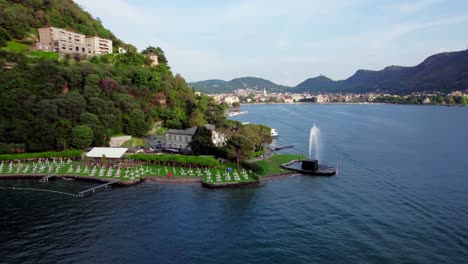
[(314, 143)]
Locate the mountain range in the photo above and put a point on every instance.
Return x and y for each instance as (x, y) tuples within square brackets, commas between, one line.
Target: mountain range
[(443, 72), (220, 86)]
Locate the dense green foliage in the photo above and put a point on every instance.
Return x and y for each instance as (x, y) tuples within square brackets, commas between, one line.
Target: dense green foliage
[(202, 143), (47, 103), (81, 136), (175, 160), (21, 18), (156, 51), (42, 100), (43, 155), (243, 140), (415, 99), (251, 166)]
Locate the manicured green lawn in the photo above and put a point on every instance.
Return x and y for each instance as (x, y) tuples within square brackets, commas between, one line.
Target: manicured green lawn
[(272, 165), (125, 174), (219, 174)]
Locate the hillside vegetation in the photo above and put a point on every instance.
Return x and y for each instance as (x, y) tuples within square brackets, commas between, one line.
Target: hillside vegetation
[(52, 103), (20, 19)]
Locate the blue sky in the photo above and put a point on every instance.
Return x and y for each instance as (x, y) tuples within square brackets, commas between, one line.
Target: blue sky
[(286, 41)]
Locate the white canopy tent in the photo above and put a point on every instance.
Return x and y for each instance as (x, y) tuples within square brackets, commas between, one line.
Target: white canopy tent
[(112, 153)]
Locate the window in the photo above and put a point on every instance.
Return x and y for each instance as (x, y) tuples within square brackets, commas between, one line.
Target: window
[(83, 49), (77, 49)]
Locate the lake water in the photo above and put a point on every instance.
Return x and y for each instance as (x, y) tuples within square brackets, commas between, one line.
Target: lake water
[(401, 196)]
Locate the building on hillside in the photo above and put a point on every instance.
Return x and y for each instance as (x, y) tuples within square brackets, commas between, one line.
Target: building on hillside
[(122, 50), (231, 99), (288, 99), (153, 58), (99, 45), (62, 41), (180, 139)]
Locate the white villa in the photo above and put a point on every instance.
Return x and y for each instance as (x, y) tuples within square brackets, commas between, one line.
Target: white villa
[(179, 139)]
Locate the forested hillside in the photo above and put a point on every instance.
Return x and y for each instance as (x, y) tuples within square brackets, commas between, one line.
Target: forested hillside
[(61, 103)]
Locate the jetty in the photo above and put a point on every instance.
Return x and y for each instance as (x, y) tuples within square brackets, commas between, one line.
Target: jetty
[(46, 178), (274, 148), (93, 189)]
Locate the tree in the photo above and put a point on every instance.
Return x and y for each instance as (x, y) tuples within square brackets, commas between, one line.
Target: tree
[(239, 147), (463, 100), (196, 118), (4, 37), (136, 123), (202, 142), (156, 51), (81, 136)]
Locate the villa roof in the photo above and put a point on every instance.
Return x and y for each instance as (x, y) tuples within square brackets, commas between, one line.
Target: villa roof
[(113, 153), (189, 131)]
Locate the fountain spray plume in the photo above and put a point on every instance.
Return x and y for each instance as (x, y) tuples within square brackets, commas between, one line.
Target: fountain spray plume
[(314, 142)]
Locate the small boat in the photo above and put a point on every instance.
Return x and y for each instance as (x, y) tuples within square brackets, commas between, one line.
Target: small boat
[(274, 133)]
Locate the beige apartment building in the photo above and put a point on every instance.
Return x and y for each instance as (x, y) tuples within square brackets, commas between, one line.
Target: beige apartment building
[(99, 45), (59, 40)]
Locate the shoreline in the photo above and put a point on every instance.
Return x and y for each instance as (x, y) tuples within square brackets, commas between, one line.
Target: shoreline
[(76, 177), (160, 180)]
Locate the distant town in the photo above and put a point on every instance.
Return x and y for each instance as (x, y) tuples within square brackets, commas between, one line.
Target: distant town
[(251, 96)]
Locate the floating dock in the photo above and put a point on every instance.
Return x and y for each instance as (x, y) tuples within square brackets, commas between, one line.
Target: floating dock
[(319, 170)]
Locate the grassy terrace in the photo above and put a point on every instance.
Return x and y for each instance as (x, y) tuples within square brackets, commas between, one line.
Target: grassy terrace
[(123, 174), (272, 165), (224, 173)]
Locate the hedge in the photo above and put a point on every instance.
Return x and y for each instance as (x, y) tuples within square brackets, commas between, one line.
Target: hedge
[(37, 155), (176, 160), (256, 168), (258, 153)]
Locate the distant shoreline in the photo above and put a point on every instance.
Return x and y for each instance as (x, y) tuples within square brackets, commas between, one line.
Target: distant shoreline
[(350, 103)]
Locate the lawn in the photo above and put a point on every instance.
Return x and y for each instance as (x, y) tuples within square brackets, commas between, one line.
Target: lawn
[(45, 55), (125, 174), (134, 142), (224, 173), (272, 165), (13, 46)]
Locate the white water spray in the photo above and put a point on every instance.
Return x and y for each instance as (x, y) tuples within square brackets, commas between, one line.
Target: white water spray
[(314, 143)]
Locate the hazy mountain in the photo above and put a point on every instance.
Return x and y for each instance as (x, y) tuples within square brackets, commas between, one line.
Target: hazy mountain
[(444, 72), (220, 86)]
